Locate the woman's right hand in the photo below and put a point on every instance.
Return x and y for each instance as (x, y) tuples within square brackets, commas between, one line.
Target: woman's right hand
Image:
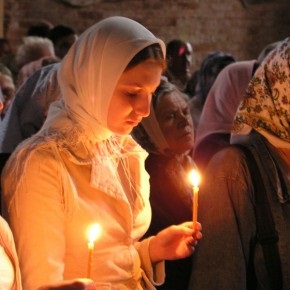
[(175, 242)]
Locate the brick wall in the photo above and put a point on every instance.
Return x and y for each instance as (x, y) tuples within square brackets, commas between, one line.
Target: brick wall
[(208, 24)]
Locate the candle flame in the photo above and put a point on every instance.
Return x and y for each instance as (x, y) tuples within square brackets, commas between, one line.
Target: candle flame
[(94, 232), (194, 177)]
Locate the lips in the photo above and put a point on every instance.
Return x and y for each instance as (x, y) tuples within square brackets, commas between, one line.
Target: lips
[(186, 133), (134, 122)]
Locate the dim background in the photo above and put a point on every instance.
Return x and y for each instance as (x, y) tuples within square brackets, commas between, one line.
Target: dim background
[(239, 27)]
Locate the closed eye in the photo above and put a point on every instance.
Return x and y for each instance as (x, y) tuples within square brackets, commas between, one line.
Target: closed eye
[(131, 95), (171, 115)]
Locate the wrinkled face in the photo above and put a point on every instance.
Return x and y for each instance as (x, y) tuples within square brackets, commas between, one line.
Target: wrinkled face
[(132, 97), (175, 121)]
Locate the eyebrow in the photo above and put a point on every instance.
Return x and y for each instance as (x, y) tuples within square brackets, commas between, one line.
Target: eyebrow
[(136, 85)]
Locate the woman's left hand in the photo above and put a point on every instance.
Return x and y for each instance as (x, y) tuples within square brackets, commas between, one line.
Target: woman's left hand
[(175, 242)]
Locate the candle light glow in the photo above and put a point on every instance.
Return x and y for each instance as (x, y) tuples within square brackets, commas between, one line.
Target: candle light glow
[(93, 233), (194, 178)]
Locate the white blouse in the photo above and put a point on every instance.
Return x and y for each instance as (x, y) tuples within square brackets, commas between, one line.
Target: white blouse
[(6, 271)]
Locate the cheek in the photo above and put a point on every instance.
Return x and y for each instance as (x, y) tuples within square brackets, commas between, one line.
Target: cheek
[(111, 114), (117, 112), (169, 132)]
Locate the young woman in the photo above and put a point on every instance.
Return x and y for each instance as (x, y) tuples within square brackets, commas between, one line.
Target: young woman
[(83, 167)]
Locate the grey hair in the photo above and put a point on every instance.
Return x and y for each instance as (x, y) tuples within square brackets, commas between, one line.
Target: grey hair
[(166, 87), (33, 48)]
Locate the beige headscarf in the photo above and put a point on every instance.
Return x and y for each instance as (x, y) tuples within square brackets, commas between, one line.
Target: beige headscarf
[(148, 133), (266, 107), (91, 69), (77, 123)]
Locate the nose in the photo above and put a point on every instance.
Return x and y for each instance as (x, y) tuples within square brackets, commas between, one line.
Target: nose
[(183, 120), (142, 105)]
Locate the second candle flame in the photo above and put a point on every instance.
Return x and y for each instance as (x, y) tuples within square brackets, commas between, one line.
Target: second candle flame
[(194, 177), (94, 232)]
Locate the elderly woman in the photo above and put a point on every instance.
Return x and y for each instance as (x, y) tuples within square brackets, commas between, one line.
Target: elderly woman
[(167, 135), (234, 254)]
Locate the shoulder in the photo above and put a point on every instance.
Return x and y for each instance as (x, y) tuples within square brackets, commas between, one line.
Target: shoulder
[(32, 176), (31, 152), (230, 151), (229, 162), (160, 164), (29, 162), (5, 231)]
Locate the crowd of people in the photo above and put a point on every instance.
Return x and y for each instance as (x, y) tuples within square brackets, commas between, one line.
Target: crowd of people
[(43, 45), (104, 127)]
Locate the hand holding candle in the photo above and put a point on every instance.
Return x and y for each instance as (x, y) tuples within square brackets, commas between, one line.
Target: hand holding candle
[(194, 178), (93, 233)]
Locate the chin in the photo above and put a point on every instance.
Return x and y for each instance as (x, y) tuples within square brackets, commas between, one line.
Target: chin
[(123, 131), (186, 148)]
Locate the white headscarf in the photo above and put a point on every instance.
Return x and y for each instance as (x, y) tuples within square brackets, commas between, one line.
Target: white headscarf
[(77, 123), (91, 69)]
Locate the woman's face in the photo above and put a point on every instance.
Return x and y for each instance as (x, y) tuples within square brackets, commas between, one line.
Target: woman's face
[(132, 97), (174, 118)]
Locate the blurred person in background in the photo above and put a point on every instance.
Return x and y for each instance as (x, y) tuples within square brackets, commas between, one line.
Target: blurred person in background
[(7, 87), (30, 56), (209, 69), (179, 61), (63, 37)]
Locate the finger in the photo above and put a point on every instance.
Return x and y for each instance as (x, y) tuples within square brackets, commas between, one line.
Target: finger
[(198, 226), (189, 225), (191, 242), (192, 246)]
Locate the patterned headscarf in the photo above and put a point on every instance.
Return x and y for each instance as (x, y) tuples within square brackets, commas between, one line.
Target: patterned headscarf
[(266, 107)]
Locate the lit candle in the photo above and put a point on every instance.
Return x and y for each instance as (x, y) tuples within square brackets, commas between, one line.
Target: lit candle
[(93, 233), (194, 178)]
